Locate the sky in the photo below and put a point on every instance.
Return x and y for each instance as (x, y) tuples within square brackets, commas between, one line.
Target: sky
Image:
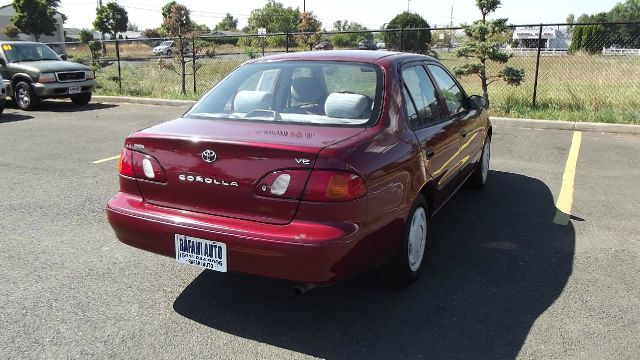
[(371, 13)]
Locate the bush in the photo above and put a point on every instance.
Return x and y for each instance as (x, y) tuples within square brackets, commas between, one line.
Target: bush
[(415, 41)]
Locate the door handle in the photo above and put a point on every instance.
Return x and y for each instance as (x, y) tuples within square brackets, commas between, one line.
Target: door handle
[(430, 152)]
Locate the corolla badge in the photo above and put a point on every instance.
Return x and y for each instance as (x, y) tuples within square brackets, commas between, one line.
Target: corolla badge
[(209, 156), (206, 180)]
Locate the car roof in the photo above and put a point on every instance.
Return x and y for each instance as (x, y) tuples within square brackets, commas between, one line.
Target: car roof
[(364, 56)]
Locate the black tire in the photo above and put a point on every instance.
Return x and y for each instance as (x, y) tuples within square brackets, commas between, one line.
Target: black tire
[(169, 52), (81, 99), (25, 97), (401, 269), (479, 177), (3, 102)]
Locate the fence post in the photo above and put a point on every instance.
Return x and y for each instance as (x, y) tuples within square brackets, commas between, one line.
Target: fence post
[(535, 81), (193, 61), (401, 36), (119, 70), (287, 41)]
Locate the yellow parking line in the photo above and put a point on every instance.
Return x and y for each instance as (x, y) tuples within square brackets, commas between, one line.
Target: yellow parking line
[(565, 199), (107, 159)]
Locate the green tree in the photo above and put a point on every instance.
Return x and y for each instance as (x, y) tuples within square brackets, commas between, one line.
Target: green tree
[(111, 19), (311, 26), (274, 17), (349, 39), (85, 36), (11, 31), (151, 33), (178, 24), (35, 17), (481, 46), (412, 40), (227, 23)]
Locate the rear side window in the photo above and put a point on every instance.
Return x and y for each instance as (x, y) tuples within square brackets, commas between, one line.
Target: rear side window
[(306, 92), (450, 90), (421, 98)]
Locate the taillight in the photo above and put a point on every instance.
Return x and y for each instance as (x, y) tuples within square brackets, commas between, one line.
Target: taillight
[(141, 166), (125, 164), (148, 168), (287, 184), (328, 185)]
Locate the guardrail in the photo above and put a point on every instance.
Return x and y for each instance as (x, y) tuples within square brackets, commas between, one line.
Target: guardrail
[(621, 52), (534, 51)]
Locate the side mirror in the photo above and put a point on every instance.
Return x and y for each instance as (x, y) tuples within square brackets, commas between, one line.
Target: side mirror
[(2, 62), (478, 102), (63, 57)]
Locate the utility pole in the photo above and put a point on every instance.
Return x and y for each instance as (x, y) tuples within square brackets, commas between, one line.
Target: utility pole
[(408, 5), (304, 6), (450, 26)]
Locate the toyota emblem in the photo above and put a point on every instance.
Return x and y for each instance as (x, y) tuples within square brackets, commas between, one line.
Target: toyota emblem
[(209, 156)]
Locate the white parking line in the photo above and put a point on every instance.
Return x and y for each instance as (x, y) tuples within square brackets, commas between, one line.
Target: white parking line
[(107, 159)]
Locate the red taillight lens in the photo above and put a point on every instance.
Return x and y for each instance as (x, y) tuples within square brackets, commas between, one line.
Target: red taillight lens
[(125, 164), (141, 166), (325, 185)]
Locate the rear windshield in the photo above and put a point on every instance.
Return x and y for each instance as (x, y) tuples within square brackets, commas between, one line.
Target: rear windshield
[(322, 93)]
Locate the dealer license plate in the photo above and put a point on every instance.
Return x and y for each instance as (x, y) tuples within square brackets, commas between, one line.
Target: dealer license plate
[(202, 253), (74, 89)]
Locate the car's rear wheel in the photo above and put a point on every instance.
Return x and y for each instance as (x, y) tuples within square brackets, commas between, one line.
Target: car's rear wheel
[(25, 97), (478, 179), (405, 267), (169, 52), (81, 99)]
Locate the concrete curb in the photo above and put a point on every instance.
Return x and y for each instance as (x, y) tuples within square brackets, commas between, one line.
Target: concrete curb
[(566, 125), (143, 101), (496, 121)]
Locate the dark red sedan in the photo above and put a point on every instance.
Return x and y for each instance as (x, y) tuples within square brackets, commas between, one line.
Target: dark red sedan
[(307, 167)]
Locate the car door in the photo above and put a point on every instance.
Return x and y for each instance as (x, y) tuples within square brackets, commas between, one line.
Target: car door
[(438, 136), (472, 131)]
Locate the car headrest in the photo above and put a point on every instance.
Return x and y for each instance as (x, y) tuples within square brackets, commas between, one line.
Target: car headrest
[(306, 89), (347, 106), (247, 100)]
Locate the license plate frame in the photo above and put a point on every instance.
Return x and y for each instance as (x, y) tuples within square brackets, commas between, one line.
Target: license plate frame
[(74, 89), (202, 253)]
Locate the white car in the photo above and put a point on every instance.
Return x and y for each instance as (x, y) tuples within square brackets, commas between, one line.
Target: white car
[(169, 47)]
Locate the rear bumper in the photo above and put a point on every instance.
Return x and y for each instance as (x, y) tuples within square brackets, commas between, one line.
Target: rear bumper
[(299, 251), (58, 89)]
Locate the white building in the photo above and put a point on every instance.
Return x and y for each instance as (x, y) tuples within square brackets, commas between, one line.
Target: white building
[(551, 38)]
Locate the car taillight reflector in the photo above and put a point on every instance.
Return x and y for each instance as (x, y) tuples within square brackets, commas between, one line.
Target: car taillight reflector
[(125, 164), (327, 185), (140, 166)]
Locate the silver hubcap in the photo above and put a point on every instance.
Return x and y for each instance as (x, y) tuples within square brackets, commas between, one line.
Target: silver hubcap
[(417, 238), (23, 97), (486, 155)]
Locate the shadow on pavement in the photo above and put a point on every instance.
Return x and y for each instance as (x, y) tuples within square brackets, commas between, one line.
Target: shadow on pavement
[(498, 262), (13, 117), (65, 106)]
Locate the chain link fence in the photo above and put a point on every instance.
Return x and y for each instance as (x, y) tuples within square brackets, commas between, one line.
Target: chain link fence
[(579, 68)]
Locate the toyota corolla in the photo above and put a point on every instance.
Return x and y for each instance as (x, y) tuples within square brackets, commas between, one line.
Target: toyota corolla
[(308, 167)]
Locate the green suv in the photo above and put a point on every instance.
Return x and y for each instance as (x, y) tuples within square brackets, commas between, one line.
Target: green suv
[(36, 72)]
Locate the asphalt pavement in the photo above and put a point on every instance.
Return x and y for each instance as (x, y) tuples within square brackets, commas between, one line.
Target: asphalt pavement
[(503, 280)]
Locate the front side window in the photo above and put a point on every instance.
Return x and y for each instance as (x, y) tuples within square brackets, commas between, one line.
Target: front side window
[(311, 92), (421, 98), (450, 90), (28, 52)]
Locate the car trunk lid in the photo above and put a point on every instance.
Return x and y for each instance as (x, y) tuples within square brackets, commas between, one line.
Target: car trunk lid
[(215, 166)]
